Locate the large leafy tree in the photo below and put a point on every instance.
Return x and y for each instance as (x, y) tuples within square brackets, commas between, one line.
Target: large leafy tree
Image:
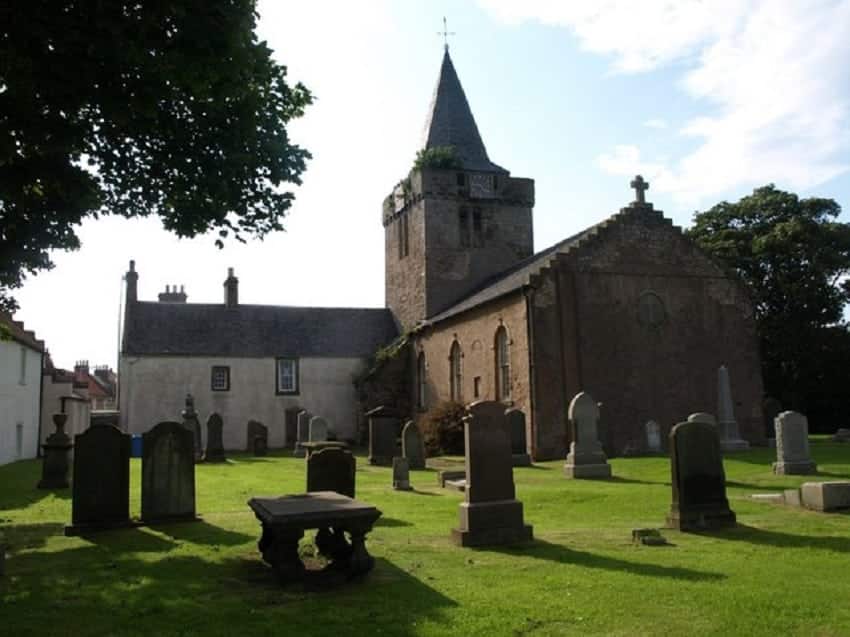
[(794, 255), (139, 108)]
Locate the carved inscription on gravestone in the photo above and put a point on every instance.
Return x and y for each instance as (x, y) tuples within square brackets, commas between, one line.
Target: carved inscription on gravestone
[(168, 473)]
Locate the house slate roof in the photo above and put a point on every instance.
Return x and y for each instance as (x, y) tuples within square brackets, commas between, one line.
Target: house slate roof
[(18, 333), (515, 277), (450, 122), (199, 329)]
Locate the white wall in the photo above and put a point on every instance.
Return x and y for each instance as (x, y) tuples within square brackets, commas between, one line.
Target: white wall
[(154, 388), (20, 397)]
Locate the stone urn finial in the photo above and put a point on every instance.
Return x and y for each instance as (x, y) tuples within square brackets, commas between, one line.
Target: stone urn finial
[(59, 420)]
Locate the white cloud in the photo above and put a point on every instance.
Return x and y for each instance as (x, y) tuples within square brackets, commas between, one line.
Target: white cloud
[(773, 77), (656, 122)]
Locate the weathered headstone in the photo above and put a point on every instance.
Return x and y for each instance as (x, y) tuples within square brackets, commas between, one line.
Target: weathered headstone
[(303, 432), (705, 418), (318, 429), (215, 441), (699, 483), (792, 445), (770, 409), (168, 474), (332, 469), (401, 474), (825, 496), (383, 434), (586, 458), (412, 445), (490, 514), (653, 437), (191, 422), (56, 464), (258, 438), (291, 425), (101, 484), (519, 446), (730, 438), (841, 435)]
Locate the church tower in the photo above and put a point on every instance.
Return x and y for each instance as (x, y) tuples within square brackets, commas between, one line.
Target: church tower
[(458, 220)]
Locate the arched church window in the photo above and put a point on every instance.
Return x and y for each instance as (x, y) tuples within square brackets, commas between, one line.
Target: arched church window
[(651, 310), (421, 381), (503, 365), (455, 372), (463, 227)]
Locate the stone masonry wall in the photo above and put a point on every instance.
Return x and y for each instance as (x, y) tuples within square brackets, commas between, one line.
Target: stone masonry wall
[(475, 332), (646, 320)]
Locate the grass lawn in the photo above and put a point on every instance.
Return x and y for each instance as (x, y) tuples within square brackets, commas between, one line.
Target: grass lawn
[(783, 571)]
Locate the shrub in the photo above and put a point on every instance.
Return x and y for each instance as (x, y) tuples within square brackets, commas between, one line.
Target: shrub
[(442, 429), (438, 157)]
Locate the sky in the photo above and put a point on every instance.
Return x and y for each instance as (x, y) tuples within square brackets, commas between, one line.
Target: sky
[(707, 100)]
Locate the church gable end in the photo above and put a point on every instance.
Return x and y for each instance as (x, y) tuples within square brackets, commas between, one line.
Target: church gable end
[(643, 319)]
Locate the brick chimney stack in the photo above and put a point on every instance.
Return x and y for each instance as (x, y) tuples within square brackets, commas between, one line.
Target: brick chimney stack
[(132, 279), (172, 295), (231, 289)]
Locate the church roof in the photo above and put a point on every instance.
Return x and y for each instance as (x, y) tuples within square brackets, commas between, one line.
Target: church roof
[(198, 329), (450, 122), (512, 279)]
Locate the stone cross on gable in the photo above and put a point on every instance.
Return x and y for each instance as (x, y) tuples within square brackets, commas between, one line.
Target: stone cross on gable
[(446, 33), (640, 187)]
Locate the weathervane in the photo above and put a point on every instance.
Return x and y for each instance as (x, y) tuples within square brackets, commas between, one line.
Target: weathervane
[(446, 33)]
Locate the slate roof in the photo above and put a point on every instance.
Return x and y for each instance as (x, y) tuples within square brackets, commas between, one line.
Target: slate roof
[(512, 279), (450, 122), (18, 333), (198, 329)]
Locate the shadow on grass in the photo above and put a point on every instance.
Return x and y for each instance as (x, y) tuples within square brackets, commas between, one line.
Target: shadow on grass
[(385, 521), (202, 532), (622, 480), (102, 588), (418, 492), (30, 536), (542, 550), (752, 535), (19, 480)]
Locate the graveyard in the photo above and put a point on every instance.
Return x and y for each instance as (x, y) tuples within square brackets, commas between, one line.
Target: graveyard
[(780, 570)]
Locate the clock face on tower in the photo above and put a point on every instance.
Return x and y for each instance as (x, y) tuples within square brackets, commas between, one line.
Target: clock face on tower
[(481, 186)]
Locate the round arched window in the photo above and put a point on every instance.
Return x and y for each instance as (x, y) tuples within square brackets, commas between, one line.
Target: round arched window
[(651, 310)]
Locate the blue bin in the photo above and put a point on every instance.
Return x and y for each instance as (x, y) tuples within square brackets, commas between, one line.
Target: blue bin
[(136, 446)]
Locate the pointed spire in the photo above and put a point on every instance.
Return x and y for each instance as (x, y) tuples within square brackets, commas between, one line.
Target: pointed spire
[(450, 122)]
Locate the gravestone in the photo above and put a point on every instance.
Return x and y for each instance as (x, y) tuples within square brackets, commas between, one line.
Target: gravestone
[(770, 409), (332, 469), (730, 439), (303, 432), (56, 463), (401, 474), (841, 435), (825, 496), (191, 422), (519, 446), (318, 431), (699, 483), (412, 446), (490, 514), (291, 425), (792, 445), (101, 484), (258, 438), (383, 435), (653, 437), (215, 442), (586, 458), (168, 474)]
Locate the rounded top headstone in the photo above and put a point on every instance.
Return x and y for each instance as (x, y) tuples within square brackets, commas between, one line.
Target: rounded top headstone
[(703, 417), (583, 408)]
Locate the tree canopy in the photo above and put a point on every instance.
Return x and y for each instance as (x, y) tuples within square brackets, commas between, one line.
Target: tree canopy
[(794, 255), (139, 108)]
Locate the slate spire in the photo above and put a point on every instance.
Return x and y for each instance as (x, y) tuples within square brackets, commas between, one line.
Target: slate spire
[(450, 122)]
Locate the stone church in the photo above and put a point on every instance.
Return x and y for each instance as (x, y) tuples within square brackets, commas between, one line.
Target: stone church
[(628, 310)]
